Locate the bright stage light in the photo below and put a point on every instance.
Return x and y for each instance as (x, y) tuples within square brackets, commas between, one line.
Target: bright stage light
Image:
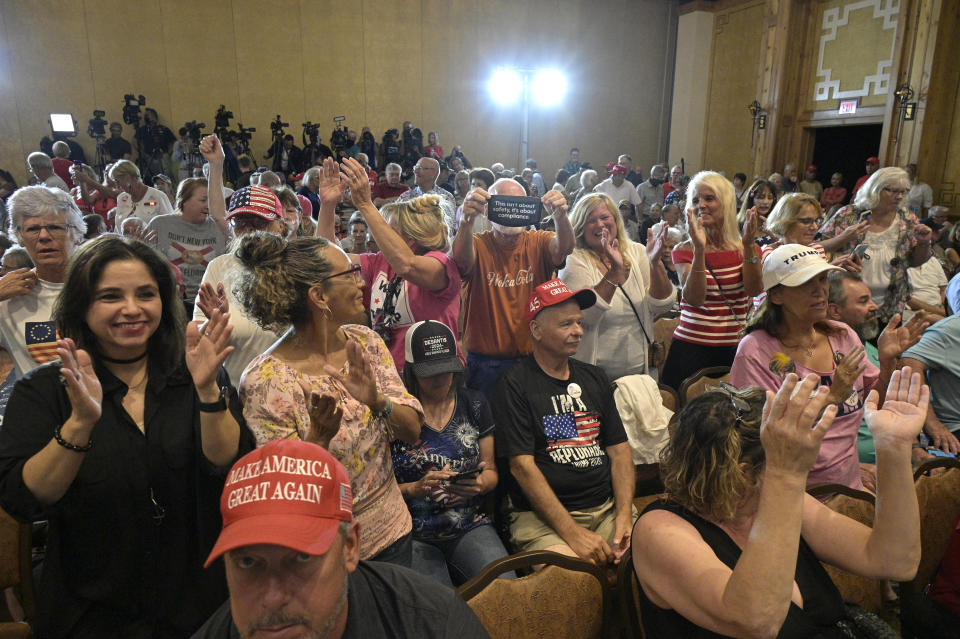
[(549, 86), (505, 86)]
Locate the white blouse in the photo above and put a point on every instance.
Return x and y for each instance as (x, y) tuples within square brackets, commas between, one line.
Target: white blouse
[(612, 339)]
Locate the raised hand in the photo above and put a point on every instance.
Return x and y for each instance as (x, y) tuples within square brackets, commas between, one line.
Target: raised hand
[(331, 188), (211, 150), (355, 176), (657, 245), (473, 205), (750, 226), (554, 202), (794, 423), (895, 339), (360, 380), (210, 299), (848, 371), (326, 415), (81, 382), (698, 237), (904, 409), (207, 348), (17, 283)]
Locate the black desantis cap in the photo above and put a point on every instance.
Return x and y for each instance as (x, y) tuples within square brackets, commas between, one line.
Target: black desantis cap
[(431, 349)]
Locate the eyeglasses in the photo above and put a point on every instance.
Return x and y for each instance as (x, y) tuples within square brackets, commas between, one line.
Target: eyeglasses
[(894, 191), (54, 230), (807, 221), (255, 223), (353, 270)]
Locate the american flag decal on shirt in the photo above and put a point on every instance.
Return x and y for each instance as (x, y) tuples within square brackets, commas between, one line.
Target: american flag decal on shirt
[(346, 498), (41, 340), (571, 429)]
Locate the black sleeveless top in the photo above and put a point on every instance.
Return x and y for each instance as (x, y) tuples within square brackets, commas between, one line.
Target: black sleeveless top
[(822, 603)]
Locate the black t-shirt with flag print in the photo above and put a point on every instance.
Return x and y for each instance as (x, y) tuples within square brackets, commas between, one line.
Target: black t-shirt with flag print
[(565, 424)]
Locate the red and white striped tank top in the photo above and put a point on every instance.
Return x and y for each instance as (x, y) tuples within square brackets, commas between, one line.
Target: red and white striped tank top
[(719, 321)]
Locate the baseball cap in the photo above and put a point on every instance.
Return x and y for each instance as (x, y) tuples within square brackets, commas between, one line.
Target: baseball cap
[(430, 348), (255, 200), (873, 160), (792, 265), (555, 292), (306, 205), (812, 168), (616, 169), (288, 493)]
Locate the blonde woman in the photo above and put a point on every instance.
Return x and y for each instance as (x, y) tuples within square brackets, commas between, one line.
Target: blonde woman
[(629, 279), (412, 278), (719, 272)]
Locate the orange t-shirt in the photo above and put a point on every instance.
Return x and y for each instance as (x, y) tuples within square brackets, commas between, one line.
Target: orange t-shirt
[(497, 290)]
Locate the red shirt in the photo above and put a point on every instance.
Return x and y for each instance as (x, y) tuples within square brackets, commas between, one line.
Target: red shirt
[(384, 191)]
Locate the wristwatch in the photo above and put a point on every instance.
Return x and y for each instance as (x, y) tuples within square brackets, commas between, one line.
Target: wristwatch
[(214, 407), (752, 260)]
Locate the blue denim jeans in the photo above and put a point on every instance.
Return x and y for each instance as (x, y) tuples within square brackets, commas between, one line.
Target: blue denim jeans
[(455, 561), (483, 371)]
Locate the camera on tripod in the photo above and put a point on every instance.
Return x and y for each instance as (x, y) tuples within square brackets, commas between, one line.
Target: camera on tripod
[(193, 130), (311, 132), (276, 127), (221, 121), (131, 108), (339, 139), (97, 125)]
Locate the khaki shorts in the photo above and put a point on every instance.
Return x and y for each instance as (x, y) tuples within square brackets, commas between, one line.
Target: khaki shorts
[(529, 532)]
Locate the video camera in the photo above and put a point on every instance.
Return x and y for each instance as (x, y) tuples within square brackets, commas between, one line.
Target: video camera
[(276, 127), (193, 130), (97, 125), (131, 108), (311, 132), (339, 139), (221, 121)]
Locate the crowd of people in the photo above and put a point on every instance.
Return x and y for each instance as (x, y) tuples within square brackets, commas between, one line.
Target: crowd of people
[(398, 373)]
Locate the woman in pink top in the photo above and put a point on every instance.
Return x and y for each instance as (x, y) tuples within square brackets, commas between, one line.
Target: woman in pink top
[(326, 380), (791, 334), (719, 272), (412, 278)]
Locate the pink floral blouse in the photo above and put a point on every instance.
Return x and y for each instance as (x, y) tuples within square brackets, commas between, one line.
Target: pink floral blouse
[(274, 406)]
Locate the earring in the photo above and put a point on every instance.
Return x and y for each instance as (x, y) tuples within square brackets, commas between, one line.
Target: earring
[(326, 312)]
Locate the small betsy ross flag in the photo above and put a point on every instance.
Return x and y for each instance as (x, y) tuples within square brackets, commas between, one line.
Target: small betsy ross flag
[(41, 339)]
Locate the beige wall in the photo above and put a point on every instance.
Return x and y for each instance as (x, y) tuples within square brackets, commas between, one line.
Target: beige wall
[(691, 80), (376, 62)]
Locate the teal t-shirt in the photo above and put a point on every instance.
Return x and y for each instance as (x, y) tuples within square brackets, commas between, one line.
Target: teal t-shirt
[(865, 448)]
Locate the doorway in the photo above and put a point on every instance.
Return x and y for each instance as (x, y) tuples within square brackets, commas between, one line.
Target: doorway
[(844, 149)]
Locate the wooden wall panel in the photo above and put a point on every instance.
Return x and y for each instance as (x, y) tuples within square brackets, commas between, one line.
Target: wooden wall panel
[(737, 45)]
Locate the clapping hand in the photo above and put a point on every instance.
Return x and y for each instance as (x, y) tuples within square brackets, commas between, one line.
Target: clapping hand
[(611, 251), (207, 348), (848, 371), (83, 386), (326, 415), (356, 178), (896, 339), (360, 380), (750, 226), (698, 237), (17, 283), (794, 423), (657, 245), (210, 299), (331, 188), (904, 409)]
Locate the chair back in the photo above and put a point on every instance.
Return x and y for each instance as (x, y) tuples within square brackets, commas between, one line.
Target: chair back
[(669, 397), (859, 506), (628, 598), (566, 599), (663, 328), (938, 496), (16, 571), (702, 381)]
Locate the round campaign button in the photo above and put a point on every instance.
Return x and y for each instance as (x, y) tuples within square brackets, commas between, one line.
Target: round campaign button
[(574, 391)]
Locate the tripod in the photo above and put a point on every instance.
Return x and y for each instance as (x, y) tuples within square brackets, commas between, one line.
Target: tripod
[(100, 161)]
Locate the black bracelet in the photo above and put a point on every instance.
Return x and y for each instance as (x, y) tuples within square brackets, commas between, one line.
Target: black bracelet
[(68, 445), (217, 406)]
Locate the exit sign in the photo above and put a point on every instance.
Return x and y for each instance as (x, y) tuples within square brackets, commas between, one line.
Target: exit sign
[(847, 107)]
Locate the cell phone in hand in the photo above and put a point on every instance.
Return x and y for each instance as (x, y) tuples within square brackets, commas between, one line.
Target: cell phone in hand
[(465, 475), (860, 250)]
